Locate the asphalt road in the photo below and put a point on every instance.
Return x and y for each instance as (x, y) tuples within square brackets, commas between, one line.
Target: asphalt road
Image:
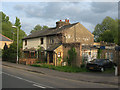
[(17, 78)]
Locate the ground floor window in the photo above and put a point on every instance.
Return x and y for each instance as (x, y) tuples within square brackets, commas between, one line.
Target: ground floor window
[(30, 54)]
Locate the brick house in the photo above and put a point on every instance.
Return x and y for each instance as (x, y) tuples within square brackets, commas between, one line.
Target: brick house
[(55, 42)]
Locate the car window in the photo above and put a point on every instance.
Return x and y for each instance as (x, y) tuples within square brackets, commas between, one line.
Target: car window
[(105, 61), (98, 61)]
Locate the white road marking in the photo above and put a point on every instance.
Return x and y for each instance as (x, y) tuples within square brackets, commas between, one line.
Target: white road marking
[(38, 86), (34, 83)]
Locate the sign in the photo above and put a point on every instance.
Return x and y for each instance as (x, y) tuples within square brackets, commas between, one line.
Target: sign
[(59, 54), (102, 47)]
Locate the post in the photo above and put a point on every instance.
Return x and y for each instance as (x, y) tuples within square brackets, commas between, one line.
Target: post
[(17, 42)]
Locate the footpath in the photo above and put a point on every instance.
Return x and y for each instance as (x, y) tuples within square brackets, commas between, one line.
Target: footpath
[(93, 77)]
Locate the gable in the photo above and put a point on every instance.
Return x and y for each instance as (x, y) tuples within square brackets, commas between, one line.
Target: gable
[(78, 33)]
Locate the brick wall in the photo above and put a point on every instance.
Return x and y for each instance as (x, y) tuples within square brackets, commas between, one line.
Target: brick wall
[(78, 33), (27, 61), (78, 49)]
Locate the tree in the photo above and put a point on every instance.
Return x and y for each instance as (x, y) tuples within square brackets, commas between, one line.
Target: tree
[(21, 32), (44, 27), (38, 28), (107, 31), (7, 29), (17, 23)]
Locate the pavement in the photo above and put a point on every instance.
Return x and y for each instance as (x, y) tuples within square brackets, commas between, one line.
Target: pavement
[(93, 77)]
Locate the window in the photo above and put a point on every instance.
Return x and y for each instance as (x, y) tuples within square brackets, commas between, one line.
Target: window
[(51, 40), (41, 40), (25, 42)]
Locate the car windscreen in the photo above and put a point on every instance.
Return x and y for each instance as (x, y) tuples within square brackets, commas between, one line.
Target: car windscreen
[(98, 61)]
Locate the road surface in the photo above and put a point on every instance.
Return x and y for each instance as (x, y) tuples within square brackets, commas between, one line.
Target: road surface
[(17, 78)]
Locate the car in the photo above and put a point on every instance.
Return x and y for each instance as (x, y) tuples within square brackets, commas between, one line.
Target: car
[(99, 64)]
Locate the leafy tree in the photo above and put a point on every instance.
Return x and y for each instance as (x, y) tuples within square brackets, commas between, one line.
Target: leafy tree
[(17, 23), (107, 31), (21, 33), (7, 29), (38, 28), (107, 36), (44, 27)]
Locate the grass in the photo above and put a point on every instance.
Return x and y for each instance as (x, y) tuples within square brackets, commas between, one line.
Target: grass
[(110, 70), (61, 68)]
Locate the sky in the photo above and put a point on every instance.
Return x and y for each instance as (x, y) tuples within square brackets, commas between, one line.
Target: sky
[(89, 14)]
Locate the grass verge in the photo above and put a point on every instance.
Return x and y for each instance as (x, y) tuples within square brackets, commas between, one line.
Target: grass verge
[(62, 68)]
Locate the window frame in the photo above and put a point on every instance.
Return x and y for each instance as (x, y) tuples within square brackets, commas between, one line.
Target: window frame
[(42, 40), (25, 42)]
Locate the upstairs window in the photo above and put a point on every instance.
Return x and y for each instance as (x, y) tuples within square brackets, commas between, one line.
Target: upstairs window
[(41, 40), (51, 40), (25, 42)]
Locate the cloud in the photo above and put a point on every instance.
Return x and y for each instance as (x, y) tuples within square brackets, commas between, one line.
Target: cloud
[(47, 13), (103, 7)]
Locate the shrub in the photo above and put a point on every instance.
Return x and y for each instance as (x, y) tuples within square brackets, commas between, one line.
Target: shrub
[(10, 54), (71, 55)]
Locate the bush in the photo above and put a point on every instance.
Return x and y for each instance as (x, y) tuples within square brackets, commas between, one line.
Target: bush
[(83, 66), (71, 56), (10, 54)]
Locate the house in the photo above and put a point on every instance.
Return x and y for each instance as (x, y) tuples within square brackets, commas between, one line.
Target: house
[(89, 52), (107, 50), (55, 42), (4, 41)]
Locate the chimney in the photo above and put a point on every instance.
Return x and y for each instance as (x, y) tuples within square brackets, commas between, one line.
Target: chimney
[(66, 20), (62, 23)]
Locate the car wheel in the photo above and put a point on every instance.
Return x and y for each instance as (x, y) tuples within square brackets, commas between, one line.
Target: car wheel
[(102, 69)]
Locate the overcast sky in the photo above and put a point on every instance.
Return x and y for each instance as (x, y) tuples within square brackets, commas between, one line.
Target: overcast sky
[(47, 13)]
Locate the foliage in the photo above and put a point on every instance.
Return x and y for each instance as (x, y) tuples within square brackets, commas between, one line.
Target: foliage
[(83, 66), (10, 54), (107, 31), (38, 28), (109, 70), (61, 68), (17, 23), (59, 59), (10, 32), (71, 56), (99, 53)]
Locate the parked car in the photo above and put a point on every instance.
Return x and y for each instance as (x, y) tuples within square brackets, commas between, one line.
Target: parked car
[(99, 64)]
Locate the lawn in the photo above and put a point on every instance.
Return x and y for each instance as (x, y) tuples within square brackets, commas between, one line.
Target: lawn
[(69, 68), (62, 68)]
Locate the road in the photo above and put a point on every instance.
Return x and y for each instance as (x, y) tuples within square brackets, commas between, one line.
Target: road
[(17, 78)]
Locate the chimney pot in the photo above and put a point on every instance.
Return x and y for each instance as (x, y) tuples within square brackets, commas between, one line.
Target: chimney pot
[(68, 20), (65, 20)]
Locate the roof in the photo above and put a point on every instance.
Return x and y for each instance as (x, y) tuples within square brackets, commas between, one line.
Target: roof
[(4, 38), (49, 31), (53, 47)]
